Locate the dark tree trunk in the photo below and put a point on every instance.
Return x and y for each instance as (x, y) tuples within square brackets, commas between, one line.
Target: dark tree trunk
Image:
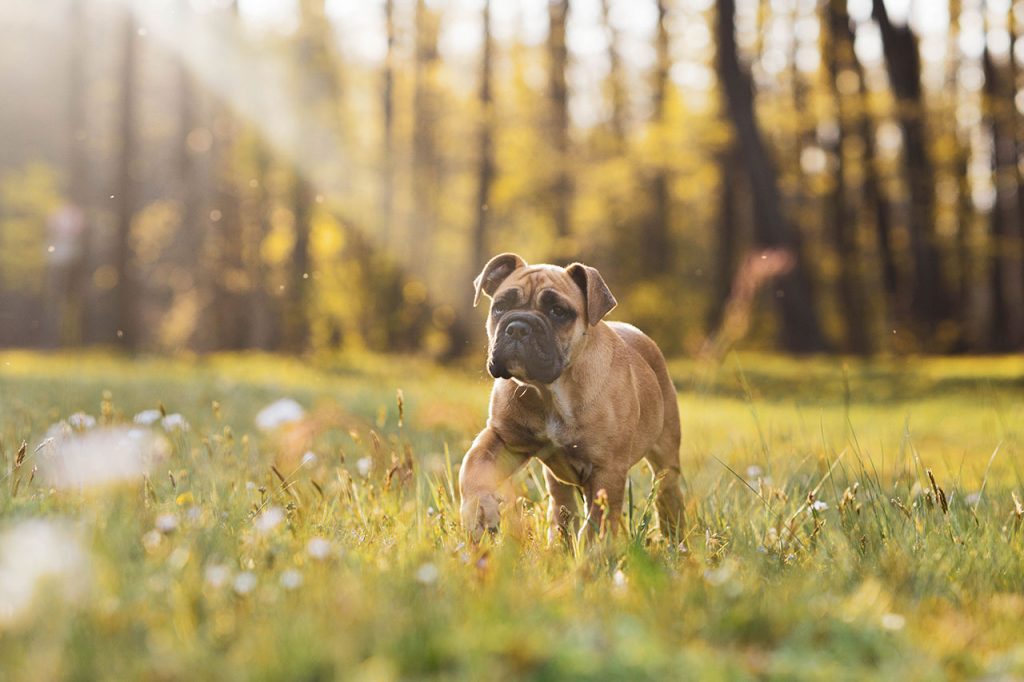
[(838, 60), (558, 94), (425, 162), (618, 93), (1007, 240), (930, 298), (261, 315), (126, 292), (800, 328), (190, 243), (726, 248), (228, 308), (79, 190), (485, 168), (656, 246), (387, 180), (875, 202), (296, 338)]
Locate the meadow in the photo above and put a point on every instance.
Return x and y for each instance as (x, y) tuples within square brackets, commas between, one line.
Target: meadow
[(845, 520)]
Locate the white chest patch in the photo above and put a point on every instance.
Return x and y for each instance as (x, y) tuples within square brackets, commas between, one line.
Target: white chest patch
[(555, 427), (555, 431)]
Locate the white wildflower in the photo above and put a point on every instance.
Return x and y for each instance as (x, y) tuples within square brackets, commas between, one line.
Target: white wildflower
[(166, 523), (318, 548), (174, 422), (179, 557), (36, 554), (147, 417), (291, 579), (819, 505), (99, 457), (216, 575), (80, 421), (363, 466), (245, 582), (151, 541), (619, 579), (309, 459), (279, 413), (269, 519), (754, 471), (427, 573), (893, 621)]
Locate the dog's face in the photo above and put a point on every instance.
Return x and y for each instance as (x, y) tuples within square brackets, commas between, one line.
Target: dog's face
[(539, 315)]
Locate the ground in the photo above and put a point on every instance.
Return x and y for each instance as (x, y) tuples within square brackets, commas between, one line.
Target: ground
[(818, 546)]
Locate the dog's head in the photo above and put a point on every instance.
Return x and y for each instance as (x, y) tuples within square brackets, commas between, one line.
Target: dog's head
[(539, 315)]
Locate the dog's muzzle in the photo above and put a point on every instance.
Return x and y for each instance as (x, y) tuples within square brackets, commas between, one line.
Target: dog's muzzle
[(524, 347)]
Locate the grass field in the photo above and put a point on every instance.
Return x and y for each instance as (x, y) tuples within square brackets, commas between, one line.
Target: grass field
[(242, 556)]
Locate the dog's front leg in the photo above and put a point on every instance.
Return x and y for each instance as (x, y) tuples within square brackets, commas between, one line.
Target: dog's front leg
[(486, 466), (603, 493)]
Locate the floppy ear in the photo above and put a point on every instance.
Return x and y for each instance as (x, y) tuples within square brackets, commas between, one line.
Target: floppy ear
[(494, 273), (595, 292)]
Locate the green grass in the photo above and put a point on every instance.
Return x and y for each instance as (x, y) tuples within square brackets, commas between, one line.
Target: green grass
[(763, 588)]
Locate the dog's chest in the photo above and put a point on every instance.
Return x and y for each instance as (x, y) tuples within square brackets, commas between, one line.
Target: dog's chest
[(559, 421)]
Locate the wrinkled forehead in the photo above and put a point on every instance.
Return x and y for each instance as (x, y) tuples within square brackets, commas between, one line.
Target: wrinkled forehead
[(529, 284)]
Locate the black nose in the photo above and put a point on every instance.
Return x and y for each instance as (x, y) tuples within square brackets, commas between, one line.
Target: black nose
[(517, 329)]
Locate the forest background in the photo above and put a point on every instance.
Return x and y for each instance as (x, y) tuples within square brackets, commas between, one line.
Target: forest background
[(801, 175)]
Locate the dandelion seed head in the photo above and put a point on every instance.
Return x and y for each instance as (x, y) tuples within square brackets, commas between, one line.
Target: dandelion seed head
[(80, 421), (318, 548), (99, 457), (427, 573), (166, 523), (245, 582), (216, 575), (174, 422), (147, 417), (35, 554), (279, 413), (893, 621), (269, 519), (291, 579)]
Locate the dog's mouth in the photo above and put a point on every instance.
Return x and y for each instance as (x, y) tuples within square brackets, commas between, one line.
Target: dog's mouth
[(524, 348)]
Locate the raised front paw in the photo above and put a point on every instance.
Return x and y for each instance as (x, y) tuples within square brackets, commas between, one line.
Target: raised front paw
[(480, 513)]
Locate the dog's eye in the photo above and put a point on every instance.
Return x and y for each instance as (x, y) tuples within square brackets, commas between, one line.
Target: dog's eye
[(558, 312), (497, 309)]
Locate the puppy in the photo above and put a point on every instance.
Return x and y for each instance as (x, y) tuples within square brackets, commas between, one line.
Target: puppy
[(588, 398)]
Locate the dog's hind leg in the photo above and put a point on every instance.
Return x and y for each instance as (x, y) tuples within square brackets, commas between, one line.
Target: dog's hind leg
[(663, 459)]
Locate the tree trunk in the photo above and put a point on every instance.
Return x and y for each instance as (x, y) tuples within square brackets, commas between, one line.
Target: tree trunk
[(387, 179), (617, 90), (126, 292), (838, 60), (425, 162), (558, 94), (79, 294), (261, 317), (726, 249), (800, 328), (930, 297), (1007, 240), (485, 169), (656, 246)]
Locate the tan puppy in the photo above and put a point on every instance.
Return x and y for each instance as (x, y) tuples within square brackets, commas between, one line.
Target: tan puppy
[(587, 398)]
